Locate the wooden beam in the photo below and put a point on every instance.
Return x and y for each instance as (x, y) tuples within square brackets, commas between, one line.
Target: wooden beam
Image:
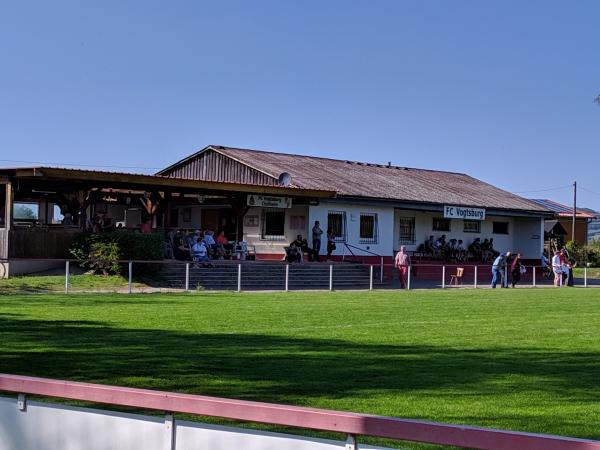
[(166, 182)]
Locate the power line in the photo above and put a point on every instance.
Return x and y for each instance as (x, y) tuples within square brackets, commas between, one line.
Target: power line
[(79, 165), (544, 190), (588, 190)]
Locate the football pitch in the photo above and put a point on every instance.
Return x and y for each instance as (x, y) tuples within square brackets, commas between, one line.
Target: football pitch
[(524, 359)]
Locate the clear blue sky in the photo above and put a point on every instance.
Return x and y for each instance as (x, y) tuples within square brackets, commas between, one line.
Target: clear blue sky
[(500, 90)]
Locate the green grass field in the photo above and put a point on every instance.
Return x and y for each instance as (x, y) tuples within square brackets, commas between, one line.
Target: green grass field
[(515, 359)]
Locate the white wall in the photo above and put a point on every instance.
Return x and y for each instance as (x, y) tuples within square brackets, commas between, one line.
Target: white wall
[(424, 225), (385, 225), (252, 234), (529, 237)]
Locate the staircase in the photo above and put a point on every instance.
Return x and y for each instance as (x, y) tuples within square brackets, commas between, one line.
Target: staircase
[(268, 275)]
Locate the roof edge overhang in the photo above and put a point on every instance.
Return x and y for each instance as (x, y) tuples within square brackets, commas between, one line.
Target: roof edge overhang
[(439, 207), (158, 181)]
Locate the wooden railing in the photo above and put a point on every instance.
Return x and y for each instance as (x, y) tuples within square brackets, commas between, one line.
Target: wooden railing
[(40, 242), (352, 424)]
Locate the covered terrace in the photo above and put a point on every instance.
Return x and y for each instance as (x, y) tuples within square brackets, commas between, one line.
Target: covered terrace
[(43, 208)]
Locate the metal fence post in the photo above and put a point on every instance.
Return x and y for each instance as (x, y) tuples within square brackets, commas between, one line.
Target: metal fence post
[(67, 277), (533, 274), (443, 277), (351, 443), (408, 277), (475, 280), (585, 276), (381, 270), (287, 277), (239, 286), (331, 277), (371, 277), (129, 289), (187, 276)]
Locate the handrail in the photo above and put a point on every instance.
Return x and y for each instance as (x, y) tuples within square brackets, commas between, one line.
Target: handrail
[(294, 416), (361, 249)]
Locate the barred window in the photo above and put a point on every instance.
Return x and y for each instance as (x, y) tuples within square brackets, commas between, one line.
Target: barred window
[(472, 226), (336, 220), (440, 224), (368, 228), (273, 224), (407, 230)]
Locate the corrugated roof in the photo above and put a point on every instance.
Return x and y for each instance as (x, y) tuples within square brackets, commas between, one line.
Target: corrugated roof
[(562, 210), (358, 179)]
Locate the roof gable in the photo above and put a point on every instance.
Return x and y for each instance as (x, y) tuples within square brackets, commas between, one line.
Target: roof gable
[(212, 165)]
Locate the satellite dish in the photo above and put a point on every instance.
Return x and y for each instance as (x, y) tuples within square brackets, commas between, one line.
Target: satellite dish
[(285, 179)]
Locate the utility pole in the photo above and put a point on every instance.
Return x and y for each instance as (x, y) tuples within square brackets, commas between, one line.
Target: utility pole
[(574, 210)]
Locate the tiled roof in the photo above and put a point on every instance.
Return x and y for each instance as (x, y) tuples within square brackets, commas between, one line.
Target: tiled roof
[(562, 210), (357, 179)]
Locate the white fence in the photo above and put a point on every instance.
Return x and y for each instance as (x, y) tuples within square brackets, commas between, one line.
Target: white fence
[(48, 426)]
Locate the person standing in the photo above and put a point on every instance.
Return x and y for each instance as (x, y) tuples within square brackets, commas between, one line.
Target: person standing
[(330, 242), (557, 269), (316, 240), (516, 269), (401, 262), (498, 268)]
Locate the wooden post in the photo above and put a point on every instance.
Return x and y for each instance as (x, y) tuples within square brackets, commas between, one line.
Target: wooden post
[(475, 280), (371, 277), (533, 276), (574, 211), (7, 215), (408, 278), (331, 277)]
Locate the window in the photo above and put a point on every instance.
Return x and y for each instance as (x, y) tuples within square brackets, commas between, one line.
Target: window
[(472, 226), (441, 224), (26, 212), (368, 228), (57, 215), (273, 224), (407, 230), (336, 220), (500, 228)]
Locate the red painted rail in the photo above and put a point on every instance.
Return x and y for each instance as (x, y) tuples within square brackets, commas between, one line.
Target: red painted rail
[(318, 419)]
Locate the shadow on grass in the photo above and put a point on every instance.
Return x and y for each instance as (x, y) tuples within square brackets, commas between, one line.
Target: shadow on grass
[(281, 369)]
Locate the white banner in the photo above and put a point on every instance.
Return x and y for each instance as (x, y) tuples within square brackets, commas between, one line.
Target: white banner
[(461, 212), (267, 201)]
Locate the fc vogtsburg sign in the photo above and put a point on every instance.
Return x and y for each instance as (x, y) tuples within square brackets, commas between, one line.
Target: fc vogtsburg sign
[(460, 212)]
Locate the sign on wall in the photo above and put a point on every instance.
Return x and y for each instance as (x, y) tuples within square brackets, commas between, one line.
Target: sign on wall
[(461, 212), (267, 201)]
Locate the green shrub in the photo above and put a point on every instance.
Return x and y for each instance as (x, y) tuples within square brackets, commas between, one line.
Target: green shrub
[(118, 245), (102, 257), (585, 254)]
